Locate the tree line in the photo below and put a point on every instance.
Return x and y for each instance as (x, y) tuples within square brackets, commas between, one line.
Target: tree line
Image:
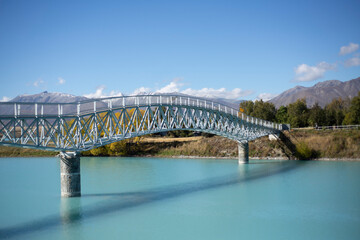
[(338, 112)]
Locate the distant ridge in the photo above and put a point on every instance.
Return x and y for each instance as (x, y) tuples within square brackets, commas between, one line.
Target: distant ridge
[(322, 93), (55, 97), (47, 97), (43, 97)]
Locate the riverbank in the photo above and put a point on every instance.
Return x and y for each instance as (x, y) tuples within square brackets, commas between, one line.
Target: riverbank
[(267, 158), (24, 152), (325, 145)]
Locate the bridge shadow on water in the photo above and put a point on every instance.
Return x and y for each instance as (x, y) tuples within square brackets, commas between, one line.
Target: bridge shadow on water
[(72, 211)]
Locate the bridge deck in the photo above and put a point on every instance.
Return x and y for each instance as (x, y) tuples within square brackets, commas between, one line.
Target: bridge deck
[(89, 124)]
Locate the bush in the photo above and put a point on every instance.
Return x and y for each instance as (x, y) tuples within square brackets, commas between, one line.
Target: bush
[(100, 151), (304, 152)]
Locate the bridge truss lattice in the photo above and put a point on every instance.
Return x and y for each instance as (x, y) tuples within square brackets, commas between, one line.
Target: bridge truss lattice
[(89, 124)]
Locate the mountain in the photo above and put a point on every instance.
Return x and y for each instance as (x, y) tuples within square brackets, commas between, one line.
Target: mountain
[(47, 97), (322, 93), (234, 103)]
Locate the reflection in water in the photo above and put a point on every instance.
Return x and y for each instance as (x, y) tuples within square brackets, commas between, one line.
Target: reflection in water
[(243, 169), (72, 211)]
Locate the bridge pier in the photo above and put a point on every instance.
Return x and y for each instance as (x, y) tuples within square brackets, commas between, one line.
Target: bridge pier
[(243, 152), (70, 174)]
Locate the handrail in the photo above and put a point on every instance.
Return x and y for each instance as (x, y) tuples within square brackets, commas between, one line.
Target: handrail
[(39, 109)]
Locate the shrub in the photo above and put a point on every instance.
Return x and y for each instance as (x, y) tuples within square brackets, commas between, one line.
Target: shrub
[(304, 152)]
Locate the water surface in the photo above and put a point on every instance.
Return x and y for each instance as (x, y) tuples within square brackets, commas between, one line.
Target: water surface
[(152, 198)]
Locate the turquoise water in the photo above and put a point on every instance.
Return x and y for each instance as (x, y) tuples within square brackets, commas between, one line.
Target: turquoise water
[(152, 198)]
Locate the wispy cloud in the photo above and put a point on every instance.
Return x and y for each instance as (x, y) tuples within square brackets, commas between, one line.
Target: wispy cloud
[(5, 99), (61, 80), (306, 73), (141, 90), (114, 93), (175, 86), (354, 61), (352, 47), (38, 83), (100, 93), (218, 93), (97, 94), (266, 96)]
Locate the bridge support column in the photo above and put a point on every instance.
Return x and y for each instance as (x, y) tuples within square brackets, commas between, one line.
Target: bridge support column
[(243, 152), (70, 174)]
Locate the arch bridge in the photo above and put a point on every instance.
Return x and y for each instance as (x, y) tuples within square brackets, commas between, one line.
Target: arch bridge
[(74, 127)]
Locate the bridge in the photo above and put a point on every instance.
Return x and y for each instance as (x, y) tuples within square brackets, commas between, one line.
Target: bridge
[(70, 128)]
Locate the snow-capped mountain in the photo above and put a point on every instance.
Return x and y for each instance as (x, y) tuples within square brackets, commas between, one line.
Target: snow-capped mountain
[(48, 97)]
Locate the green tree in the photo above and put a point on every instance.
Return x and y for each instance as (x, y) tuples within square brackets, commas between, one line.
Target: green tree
[(316, 116), (353, 115), (119, 148), (335, 111), (100, 151), (282, 115), (298, 113), (247, 107), (264, 110), (259, 109)]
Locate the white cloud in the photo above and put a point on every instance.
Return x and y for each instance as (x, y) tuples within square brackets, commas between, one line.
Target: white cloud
[(176, 84), (97, 94), (352, 47), (100, 93), (115, 93), (38, 82), (266, 96), (141, 90), (5, 99), (306, 73), (217, 93), (355, 61), (173, 86), (61, 80)]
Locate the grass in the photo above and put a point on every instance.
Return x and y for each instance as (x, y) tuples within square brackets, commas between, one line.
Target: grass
[(307, 144), (167, 139), (331, 144), (204, 147), (24, 152)]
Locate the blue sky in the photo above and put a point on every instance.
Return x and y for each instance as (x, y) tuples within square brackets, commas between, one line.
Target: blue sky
[(233, 49)]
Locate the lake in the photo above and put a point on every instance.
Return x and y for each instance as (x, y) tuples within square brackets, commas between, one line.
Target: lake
[(160, 198)]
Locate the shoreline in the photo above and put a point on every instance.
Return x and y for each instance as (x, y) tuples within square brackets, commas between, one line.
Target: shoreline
[(317, 146), (205, 157), (260, 158)]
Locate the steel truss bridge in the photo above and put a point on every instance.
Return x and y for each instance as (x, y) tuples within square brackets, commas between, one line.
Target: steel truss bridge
[(74, 127), (90, 124)]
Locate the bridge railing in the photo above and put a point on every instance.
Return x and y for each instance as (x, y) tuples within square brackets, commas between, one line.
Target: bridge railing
[(27, 109)]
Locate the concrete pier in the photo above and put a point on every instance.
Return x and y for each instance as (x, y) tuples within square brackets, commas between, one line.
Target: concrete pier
[(70, 174), (243, 152)]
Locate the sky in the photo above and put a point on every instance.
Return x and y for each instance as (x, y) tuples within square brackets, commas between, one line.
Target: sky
[(231, 49)]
